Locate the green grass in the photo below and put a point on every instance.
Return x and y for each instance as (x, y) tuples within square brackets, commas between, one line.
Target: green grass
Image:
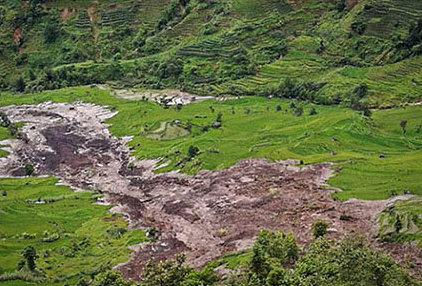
[(409, 228), (4, 134), (347, 59), (86, 230), (237, 259), (257, 130)]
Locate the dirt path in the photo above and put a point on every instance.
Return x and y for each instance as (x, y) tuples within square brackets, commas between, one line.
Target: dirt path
[(204, 215)]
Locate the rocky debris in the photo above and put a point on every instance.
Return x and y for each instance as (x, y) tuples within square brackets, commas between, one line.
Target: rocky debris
[(166, 97), (205, 215)]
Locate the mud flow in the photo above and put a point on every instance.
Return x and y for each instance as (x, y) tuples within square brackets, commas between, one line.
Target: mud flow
[(205, 215)]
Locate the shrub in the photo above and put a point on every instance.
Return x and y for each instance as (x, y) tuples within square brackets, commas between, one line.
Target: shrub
[(51, 32), (340, 5), (312, 111), (403, 124), (30, 255), (29, 169), (50, 237), (20, 85), (272, 248), (193, 151), (175, 272), (298, 111), (356, 98), (358, 27), (110, 278), (4, 120), (319, 228), (116, 232)]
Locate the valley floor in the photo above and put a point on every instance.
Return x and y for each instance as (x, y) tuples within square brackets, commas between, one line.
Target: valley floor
[(211, 212)]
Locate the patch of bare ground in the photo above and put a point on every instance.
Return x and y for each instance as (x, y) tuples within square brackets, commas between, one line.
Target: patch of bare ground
[(205, 215)]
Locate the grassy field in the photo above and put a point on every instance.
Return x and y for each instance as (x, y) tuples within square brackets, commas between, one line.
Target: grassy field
[(4, 134), (72, 236), (402, 222), (253, 128)]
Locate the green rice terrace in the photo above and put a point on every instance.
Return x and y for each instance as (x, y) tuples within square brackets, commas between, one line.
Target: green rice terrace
[(210, 142)]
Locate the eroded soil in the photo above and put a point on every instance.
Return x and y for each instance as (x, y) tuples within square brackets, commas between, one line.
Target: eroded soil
[(205, 215)]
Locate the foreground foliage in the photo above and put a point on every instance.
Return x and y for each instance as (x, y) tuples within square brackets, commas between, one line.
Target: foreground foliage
[(275, 261)]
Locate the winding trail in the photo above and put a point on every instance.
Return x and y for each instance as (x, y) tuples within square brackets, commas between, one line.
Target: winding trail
[(205, 215)]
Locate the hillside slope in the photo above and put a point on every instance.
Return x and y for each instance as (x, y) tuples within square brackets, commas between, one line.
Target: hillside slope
[(327, 48)]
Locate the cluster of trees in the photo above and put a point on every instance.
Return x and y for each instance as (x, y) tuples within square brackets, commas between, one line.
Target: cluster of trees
[(412, 44), (289, 88), (277, 260), (177, 10), (357, 99), (340, 5), (272, 52)]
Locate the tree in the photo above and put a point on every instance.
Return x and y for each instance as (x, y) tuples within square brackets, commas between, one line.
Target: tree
[(176, 273), (30, 255), (278, 107), (114, 70), (193, 151), (367, 112), (361, 90), (359, 27), (299, 111), (312, 111), (292, 105), (219, 116), (278, 276), (20, 84), (171, 272), (110, 278), (4, 120), (403, 125), (51, 32), (29, 169), (340, 5), (319, 228), (355, 98), (272, 249)]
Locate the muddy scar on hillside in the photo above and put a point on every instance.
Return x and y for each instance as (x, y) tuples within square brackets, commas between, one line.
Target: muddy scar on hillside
[(205, 215)]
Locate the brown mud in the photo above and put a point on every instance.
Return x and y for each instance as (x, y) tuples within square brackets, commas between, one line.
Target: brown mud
[(205, 215)]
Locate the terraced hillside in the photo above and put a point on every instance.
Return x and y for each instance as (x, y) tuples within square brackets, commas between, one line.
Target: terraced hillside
[(217, 47), (210, 142)]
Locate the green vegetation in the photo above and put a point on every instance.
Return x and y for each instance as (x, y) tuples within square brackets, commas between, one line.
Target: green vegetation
[(221, 47), (402, 222), (276, 261), (319, 228), (372, 155), (320, 76), (4, 134), (52, 235)]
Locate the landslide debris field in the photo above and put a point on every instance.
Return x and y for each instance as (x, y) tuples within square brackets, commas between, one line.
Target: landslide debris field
[(203, 215)]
